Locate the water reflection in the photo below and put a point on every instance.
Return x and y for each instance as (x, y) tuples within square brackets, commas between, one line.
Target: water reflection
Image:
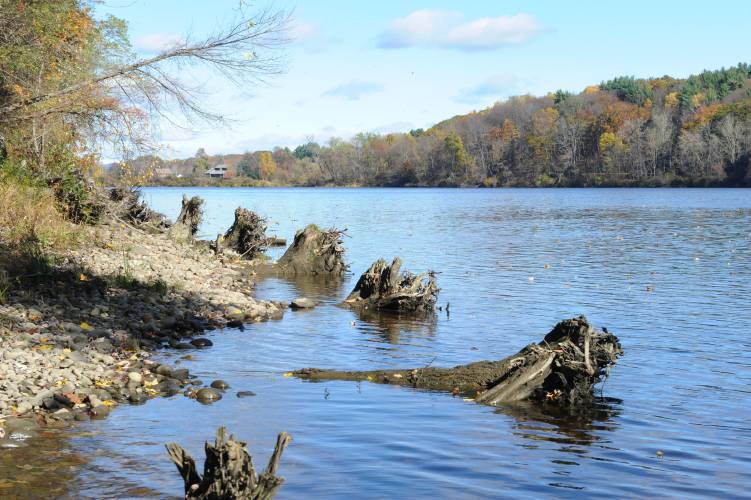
[(390, 326), (579, 426)]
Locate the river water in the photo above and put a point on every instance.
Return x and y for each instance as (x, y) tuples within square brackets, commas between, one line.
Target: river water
[(668, 271)]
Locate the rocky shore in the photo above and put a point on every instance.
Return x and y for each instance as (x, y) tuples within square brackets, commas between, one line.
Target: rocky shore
[(80, 339)]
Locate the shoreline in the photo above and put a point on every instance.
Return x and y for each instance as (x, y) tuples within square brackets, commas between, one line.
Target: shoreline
[(80, 340)]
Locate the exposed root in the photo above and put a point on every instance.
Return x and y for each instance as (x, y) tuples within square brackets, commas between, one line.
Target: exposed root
[(562, 369), (384, 287), (314, 252)]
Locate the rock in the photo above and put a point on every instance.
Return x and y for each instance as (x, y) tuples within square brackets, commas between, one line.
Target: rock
[(220, 384), (135, 377), (50, 404), (208, 395), (183, 346), (137, 397), (245, 394), (23, 407), (180, 373), (98, 412), (164, 370), (302, 303), (201, 342), (63, 414), (63, 400)]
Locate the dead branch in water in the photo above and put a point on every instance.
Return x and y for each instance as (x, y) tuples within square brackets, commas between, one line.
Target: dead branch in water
[(228, 471)]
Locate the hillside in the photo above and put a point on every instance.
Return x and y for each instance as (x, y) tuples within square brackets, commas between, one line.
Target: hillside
[(624, 132)]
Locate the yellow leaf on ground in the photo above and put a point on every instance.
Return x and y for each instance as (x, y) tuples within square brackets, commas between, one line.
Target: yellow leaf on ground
[(85, 326), (288, 374), (83, 277)]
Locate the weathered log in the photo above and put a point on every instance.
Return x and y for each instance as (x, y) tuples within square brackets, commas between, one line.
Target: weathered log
[(228, 471), (186, 226), (384, 287), (247, 235), (562, 369), (314, 252)]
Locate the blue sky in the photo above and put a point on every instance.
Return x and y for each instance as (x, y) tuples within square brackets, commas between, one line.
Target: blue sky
[(395, 65)]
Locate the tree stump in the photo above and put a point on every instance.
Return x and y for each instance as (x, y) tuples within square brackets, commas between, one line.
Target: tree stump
[(562, 370), (314, 252), (228, 472), (186, 226), (384, 287), (247, 235)]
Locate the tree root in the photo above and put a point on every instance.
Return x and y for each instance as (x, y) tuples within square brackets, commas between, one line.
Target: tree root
[(562, 369), (228, 471)]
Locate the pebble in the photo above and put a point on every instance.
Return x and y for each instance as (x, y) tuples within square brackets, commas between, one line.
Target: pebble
[(201, 342), (220, 384), (245, 394), (135, 377), (302, 303), (208, 395)]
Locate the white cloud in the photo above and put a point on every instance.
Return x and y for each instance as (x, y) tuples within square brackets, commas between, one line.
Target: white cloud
[(157, 42), (445, 29), (353, 90)]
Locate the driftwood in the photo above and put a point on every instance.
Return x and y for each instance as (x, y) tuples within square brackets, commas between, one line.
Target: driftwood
[(314, 252), (228, 472), (186, 226), (562, 369), (126, 203), (247, 235), (384, 287)]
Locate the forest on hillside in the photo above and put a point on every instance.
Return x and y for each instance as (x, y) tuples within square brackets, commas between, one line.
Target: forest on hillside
[(624, 132)]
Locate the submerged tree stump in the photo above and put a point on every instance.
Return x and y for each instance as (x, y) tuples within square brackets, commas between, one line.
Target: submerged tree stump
[(314, 252), (384, 287), (228, 472), (186, 225), (562, 369), (247, 235)]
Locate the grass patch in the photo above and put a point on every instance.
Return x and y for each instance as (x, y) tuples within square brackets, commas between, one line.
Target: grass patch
[(29, 215)]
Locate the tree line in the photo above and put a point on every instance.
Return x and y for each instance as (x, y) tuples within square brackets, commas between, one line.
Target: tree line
[(624, 132)]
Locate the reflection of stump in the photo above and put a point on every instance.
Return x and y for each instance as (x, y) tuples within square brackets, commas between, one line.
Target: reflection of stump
[(314, 252), (247, 236), (562, 369), (186, 226), (383, 287), (228, 471)]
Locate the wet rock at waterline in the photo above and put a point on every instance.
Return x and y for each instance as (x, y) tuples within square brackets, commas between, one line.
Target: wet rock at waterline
[(201, 343), (561, 370), (220, 384), (245, 394), (208, 395), (302, 303)]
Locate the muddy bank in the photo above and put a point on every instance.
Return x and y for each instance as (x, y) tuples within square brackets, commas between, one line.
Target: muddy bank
[(562, 369)]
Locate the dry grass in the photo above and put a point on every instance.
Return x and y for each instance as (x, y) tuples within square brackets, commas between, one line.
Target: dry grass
[(28, 214)]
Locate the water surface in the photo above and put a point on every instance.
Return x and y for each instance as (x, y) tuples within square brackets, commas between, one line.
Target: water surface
[(668, 271)]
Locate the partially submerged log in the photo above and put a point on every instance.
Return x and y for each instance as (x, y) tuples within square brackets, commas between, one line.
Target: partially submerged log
[(562, 369), (186, 226), (314, 251), (228, 471), (384, 287), (247, 235)]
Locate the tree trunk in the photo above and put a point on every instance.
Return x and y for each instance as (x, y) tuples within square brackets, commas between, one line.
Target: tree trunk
[(383, 287), (228, 471), (314, 252), (186, 226), (247, 236), (562, 369)]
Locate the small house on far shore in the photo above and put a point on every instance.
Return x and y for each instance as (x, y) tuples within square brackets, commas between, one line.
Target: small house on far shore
[(217, 172)]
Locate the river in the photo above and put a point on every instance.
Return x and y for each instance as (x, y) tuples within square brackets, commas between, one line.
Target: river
[(667, 270)]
